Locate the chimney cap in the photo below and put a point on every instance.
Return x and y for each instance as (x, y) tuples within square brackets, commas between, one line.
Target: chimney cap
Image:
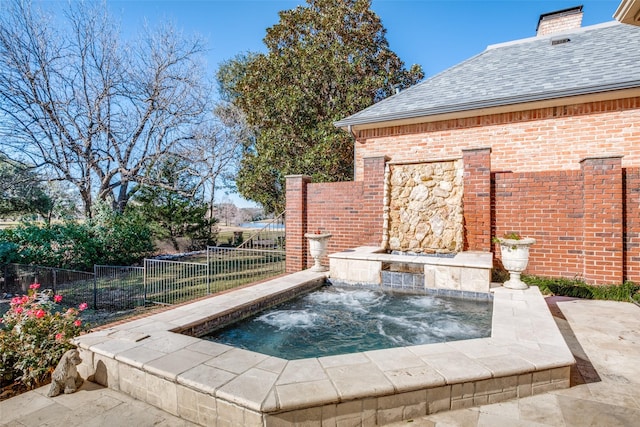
[(559, 13)]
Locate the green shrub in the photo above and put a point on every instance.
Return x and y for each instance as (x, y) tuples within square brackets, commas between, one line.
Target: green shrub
[(124, 239), (615, 292), (68, 245), (33, 337), (109, 239), (8, 252), (579, 289)]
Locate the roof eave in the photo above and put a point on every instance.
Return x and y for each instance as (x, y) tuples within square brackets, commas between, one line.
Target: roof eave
[(628, 12), (463, 109)]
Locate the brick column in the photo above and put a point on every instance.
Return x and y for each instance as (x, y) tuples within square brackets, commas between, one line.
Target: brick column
[(296, 222), (477, 199), (372, 216), (603, 227)]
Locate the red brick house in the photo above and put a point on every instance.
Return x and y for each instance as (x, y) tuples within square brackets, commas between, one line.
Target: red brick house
[(545, 132)]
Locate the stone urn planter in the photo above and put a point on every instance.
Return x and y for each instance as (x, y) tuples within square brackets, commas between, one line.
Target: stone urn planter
[(515, 257), (318, 248)]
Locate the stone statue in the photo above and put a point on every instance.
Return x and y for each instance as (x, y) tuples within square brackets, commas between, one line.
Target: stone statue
[(65, 378)]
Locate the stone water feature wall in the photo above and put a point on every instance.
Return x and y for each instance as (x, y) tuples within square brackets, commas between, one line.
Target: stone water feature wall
[(425, 212)]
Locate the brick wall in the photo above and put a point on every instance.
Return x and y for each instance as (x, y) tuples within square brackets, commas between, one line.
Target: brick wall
[(351, 211), (586, 222), (631, 223), (548, 207), (603, 215), (545, 173), (545, 139), (477, 199), (296, 222)]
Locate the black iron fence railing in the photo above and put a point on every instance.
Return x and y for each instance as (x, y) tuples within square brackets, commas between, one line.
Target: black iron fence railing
[(116, 288)]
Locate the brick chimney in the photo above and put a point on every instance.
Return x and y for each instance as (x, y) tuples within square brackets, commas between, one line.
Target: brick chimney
[(559, 21)]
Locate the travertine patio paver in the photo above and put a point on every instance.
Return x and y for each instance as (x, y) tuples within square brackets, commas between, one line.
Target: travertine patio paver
[(604, 337), (605, 390)]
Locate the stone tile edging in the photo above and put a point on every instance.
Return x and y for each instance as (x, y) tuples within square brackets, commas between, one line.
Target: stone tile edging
[(525, 355)]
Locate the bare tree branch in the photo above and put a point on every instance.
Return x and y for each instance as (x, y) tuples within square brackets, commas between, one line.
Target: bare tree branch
[(216, 149), (93, 111)]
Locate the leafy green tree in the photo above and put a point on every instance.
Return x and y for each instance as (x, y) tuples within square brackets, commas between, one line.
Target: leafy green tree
[(229, 74), (21, 190), (325, 60), (174, 213)]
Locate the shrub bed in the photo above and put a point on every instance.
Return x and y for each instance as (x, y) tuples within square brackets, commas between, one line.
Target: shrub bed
[(34, 334), (579, 289)]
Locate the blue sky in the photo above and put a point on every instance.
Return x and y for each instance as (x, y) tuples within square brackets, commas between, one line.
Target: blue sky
[(436, 34)]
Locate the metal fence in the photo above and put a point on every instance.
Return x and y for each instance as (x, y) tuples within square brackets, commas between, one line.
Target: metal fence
[(229, 267), (115, 288), (173, 282), (75, 286), (271, 236), (118, 287)]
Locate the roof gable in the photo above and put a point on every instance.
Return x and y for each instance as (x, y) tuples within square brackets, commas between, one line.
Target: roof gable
[(595, 59)]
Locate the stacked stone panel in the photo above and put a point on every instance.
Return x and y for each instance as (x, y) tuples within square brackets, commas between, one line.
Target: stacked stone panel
[(425, 207)]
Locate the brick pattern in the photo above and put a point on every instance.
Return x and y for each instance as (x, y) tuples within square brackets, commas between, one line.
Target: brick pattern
[(631, 224), (544, 139), (296, 222), (333, 208), (560, 23), (548, 207), (477, 199), (575, 216), (373, 199), (536, 175), (586, 222), (603, 214), (351, 211)]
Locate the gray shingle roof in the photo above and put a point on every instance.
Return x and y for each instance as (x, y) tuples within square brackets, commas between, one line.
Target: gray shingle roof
[(598, 58)]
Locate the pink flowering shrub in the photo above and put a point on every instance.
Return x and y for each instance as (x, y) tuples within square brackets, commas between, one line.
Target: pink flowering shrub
[(34, 334)]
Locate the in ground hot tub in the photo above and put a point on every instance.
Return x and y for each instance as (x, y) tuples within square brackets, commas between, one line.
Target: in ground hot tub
[(335, 320), (160, 360)]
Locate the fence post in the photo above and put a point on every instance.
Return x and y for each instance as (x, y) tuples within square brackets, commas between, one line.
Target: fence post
[(95, 287), (144, 283), (208, 274), (54, 274)]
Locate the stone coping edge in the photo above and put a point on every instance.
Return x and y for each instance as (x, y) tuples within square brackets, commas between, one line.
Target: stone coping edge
[(469, 259), (524, 340)]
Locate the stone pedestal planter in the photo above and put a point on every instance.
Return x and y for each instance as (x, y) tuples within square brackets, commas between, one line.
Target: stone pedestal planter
[(318, 248), (515, 257)]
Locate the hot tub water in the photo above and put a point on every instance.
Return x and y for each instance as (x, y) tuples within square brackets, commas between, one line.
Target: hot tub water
[(338, 320)]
